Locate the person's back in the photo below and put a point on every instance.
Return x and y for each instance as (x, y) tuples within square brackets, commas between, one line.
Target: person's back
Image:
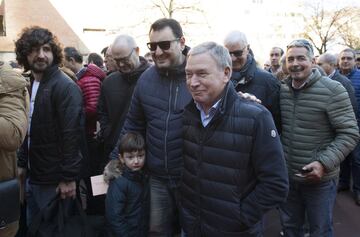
[(14, 109)]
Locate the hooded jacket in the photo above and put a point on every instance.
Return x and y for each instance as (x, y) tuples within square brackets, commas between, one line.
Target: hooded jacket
[(14, 110), (127, 201), (90, 83)]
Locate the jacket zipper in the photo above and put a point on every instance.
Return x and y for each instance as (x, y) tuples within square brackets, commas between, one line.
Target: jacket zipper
[(167, 128)]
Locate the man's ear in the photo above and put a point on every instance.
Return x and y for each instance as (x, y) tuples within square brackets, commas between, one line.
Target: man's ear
[(137, 50), (182, 42), (227, 74)]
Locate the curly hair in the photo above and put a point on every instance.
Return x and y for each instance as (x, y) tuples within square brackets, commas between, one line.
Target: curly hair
[(35, 37)]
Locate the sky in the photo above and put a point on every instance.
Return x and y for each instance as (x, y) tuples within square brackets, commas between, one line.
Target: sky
[(266, 23)]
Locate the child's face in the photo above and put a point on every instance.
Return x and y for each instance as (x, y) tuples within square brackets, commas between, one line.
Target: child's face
[(133, 160)]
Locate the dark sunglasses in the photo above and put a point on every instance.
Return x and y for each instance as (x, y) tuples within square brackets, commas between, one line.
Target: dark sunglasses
[(164, 45), (237, 53), (358, 59)]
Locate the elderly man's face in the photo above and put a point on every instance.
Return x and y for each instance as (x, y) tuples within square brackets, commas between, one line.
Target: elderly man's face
[(298, 63), (238, 53), (125, 57), (205, 80), (346, 61), (328, 68), (40, 58)]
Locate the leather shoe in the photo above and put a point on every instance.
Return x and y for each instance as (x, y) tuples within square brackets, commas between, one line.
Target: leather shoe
[(342, 187), (357, 199)]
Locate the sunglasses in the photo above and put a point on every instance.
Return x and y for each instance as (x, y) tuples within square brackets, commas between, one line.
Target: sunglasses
[(358, 60), (237, 53), (164, 45)]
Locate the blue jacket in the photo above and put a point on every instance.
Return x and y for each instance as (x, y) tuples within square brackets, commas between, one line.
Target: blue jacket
[(354, 77), (234, 169), (127, 204), (156, 111)]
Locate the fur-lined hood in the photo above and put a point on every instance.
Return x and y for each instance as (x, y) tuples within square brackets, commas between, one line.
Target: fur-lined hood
[(112, 170)]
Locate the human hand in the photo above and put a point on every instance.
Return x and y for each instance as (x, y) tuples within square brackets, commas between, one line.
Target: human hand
[(313, 171), (67, 189), (248, 96)]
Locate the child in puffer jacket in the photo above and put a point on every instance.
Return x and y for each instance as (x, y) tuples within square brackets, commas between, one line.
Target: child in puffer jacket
[(128, 198)]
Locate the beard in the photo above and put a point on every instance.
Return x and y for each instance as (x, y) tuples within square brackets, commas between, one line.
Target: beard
[(39, 66)]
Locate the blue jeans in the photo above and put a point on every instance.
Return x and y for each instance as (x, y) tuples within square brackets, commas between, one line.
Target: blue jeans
[(317, 201), (351, 166), (164, 215)]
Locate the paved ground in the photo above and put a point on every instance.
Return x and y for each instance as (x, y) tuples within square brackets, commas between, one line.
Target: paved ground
[(346, 218)]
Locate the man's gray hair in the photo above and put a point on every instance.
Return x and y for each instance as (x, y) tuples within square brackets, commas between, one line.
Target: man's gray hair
[(302, 43), (235, 37), (349, 50), (329, 58), (218, 52), (130, 41)]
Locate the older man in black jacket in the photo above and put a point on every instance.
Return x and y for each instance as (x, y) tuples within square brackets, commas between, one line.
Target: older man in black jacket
[(247, 77), (52, 148), (234, 167)]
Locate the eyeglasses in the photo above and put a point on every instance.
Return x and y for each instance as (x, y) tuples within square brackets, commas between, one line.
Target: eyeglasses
[(124, 59), (358, 60), (237, 53), (164, 45)]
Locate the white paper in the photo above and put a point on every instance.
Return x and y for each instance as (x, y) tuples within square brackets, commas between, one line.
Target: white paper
[(98, 185)]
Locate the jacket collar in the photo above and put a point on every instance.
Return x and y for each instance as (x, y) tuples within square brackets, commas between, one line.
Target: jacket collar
[(314, 77), (132, 76)]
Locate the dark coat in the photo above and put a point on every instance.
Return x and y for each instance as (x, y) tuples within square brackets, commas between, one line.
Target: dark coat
[(56, 129), (234, 169), (156, 112), (349, 88), (127, 203), (114, 101), (263, 85)]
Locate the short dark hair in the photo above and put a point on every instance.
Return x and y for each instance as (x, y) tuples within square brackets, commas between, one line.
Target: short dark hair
[(164, 22), (96, 59), (35, 37), (131, 141), (72, 52), (281, 50), (103, 51)]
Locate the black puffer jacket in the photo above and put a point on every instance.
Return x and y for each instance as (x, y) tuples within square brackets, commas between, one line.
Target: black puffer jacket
[(156, 111), (114, 102), (127, 201), (56, 127), (262, 84), (234, 169)]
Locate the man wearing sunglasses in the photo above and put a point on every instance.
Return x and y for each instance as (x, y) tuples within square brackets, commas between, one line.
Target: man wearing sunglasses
[(117, 89), (247, 77), (156, 111)]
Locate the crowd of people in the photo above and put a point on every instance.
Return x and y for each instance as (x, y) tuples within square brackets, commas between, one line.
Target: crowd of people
[(197, 142)]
